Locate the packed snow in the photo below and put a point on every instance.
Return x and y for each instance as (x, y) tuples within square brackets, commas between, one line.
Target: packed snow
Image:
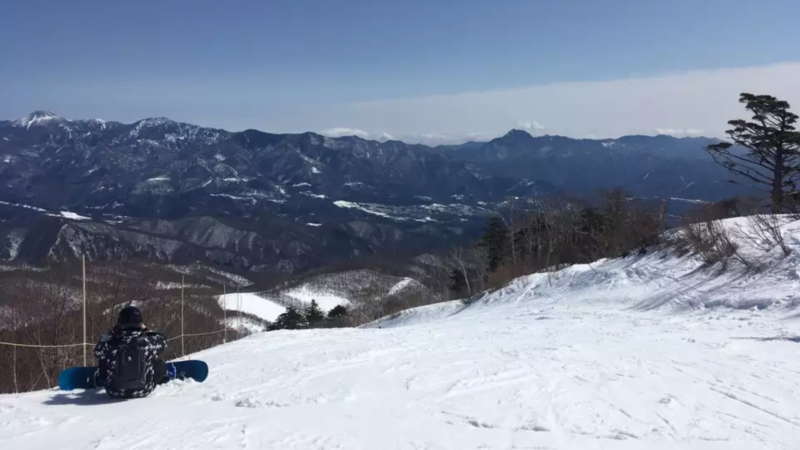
[(651, 351), (251, 304), (415, 316)]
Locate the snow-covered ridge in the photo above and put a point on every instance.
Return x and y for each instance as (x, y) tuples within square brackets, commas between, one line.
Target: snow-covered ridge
[(37, 118)]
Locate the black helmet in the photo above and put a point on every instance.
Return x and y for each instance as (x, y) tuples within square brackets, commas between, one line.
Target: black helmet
[(129, 317)]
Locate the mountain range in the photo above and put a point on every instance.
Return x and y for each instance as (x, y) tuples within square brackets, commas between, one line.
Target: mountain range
[(163, 190)]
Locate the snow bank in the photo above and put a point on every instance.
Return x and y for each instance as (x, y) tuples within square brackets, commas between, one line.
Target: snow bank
[(665, 281), (251, 304)]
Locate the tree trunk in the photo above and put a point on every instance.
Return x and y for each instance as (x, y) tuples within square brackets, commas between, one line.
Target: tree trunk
[(777, 183)]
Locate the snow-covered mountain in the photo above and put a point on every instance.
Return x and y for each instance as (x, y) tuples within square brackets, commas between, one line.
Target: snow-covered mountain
[(170, 191), (647, 166), (655, 351)]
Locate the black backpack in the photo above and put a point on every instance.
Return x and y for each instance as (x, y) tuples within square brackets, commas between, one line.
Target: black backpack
[(131, 369)]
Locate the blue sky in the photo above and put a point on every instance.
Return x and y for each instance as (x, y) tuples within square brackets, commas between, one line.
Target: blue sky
[(298, 65)]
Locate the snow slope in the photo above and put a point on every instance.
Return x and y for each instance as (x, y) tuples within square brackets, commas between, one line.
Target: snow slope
[(419, 315), (252, 304), (645, 352)]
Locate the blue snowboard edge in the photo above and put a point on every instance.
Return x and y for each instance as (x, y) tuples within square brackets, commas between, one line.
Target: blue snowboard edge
[(84, 377)]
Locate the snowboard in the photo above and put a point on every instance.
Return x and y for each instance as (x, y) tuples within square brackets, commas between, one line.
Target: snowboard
[(84, 377)]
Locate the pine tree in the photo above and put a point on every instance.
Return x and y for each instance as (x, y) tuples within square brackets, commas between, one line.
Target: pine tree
[(458, 285), (338, 312), (290, 320), (314, 315), (772, 146), (495, 242)]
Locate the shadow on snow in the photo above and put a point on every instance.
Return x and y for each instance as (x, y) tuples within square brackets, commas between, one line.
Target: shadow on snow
[(82, 398)]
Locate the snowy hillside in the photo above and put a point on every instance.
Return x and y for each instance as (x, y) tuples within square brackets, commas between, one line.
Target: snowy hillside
[(651, 351), (354, 289), (251, 304)]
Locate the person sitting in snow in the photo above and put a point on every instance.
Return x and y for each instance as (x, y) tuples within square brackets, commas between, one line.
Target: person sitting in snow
[(128, 357)]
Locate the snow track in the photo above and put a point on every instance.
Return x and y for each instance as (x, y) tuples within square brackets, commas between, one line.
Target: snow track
[(494, 377)]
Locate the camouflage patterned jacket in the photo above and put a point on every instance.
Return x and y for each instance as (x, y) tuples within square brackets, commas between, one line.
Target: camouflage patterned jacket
[(152, 343)]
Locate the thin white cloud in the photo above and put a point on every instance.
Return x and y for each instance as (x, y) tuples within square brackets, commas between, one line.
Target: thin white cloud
[(679, 132), (434, 139), (341, 131), (531, 125), (478, 136), (691, 101), (694, 100)]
